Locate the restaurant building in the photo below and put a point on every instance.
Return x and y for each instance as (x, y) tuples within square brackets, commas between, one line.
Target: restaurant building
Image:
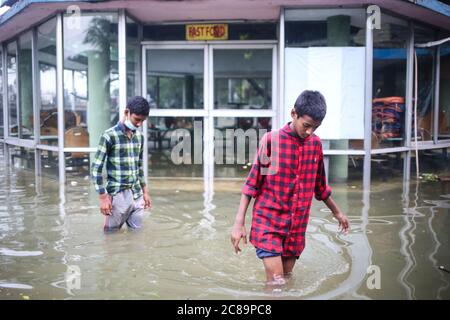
[(67, 69)]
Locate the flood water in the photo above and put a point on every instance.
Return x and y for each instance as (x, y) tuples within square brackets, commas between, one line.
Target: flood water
[(53, 247)]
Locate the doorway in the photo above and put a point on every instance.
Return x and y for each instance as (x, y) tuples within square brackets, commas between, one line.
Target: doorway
[(206, 91)]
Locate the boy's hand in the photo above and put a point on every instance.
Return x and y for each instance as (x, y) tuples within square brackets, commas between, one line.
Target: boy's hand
[(237, 233), (105, 204), (344, 225), (147, 201), (343, 220)]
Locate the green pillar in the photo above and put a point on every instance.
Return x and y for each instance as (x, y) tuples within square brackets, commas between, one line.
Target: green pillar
[(338, 35), (99, 105), (26, 89)]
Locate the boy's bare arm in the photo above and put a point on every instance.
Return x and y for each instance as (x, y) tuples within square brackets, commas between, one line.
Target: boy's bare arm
[(239, 231), (344, 225), (147, 199)]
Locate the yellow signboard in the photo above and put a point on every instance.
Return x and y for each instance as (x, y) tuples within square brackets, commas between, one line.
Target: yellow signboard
[(207, 32)]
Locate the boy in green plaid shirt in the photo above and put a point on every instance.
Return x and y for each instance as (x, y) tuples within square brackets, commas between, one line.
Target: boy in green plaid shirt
[(125, 196)]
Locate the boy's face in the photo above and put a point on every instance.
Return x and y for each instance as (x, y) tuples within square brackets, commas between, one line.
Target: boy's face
[(136, 119), (304, 126)]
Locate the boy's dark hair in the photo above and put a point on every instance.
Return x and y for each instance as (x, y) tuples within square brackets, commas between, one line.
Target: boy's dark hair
[(311, 103), (138, 105)]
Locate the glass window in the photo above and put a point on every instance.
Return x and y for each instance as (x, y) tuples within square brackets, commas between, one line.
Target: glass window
[(345, 169), (11, 67), (1, 96), (175, 78), (235, 144), (389, 82), (444, 93), (91, 82), (388, 167), (77, 165), (243, 79), (325, 52), (433, 164), (133, 59), (175, 147), (22, 158), (325, 27), (252, 31), (26, 87), (425, 85), (49, 163), (46, 54), (164, 33)]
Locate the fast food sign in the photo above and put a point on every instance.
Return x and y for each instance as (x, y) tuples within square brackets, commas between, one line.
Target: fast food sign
[(206, 32)]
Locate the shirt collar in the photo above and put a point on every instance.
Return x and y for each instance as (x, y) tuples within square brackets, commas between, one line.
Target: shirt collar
[(121, 127), (287, 129)]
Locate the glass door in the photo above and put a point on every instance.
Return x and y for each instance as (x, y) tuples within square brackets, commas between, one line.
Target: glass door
[(209, 106), (244, 104), (174, 87)]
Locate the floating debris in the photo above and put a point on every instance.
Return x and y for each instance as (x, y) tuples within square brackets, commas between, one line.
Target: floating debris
[(444, 269), (429, 177)]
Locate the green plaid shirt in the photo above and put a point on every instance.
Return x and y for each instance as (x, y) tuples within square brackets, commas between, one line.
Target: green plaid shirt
[(123, 158)]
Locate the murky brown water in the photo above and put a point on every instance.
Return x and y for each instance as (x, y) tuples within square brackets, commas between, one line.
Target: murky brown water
[(184, 250)]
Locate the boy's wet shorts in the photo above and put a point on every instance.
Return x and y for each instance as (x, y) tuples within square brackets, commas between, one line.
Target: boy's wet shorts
[(266, 254)]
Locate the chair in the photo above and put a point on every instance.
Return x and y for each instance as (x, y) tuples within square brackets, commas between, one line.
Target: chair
[(77, 137)]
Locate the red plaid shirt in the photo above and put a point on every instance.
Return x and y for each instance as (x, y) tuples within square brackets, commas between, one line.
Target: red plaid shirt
[(285, 175)]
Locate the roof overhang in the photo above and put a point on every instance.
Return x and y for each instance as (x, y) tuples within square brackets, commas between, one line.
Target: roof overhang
[(26, 13)]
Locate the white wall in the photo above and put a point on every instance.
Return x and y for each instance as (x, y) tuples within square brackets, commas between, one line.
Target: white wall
[(338, 73)]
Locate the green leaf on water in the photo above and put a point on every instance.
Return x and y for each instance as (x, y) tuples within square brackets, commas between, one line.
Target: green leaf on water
[(429, 177)]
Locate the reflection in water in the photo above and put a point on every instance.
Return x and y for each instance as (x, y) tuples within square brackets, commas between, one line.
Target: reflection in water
[(208, 219), (445, 283), (14, 253), (15, 285), (59, 244), (359, 252), (184, 252), (419, 220), (405, 234)]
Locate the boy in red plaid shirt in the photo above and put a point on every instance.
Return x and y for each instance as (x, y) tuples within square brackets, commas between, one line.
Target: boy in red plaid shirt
[(287, 172)]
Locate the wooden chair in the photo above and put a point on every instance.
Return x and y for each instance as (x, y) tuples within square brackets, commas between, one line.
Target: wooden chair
[(77, 137)]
